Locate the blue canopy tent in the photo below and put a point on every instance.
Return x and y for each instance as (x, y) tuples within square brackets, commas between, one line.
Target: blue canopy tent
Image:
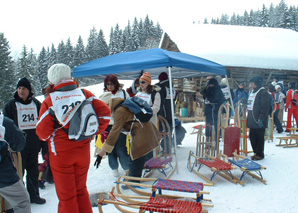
[(130, 65)]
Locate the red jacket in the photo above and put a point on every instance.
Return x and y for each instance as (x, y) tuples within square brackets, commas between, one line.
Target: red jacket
[(289, 100), (57, 137)]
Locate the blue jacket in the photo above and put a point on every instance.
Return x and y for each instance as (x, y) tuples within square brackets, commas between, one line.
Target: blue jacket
[(17, 142)]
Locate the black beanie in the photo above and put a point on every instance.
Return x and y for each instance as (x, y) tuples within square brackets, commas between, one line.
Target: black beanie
[(257, 80), (24, 83)]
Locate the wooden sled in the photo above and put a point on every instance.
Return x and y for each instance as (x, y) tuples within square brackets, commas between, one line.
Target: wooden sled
[(161, 161), (152, 204), (165, 184), (217, 166), (288, 141), (247, 166), (161, 164)]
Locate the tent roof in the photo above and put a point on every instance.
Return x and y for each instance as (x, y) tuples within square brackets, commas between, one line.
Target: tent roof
[(239, 46), (129, 65)]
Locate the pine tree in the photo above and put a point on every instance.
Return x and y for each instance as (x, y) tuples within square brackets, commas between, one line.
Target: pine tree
[(79, 53), (52, 59), (128, 44), (33, 70), (43, 62), (224, 19), (135, 35), (294, 18), (7, 75), (233, 20), (69, 54), (62, 54), (264, 19), (273, 17), (205, 21), (116, 41), (102, 44), (246, 18), (91, 48)]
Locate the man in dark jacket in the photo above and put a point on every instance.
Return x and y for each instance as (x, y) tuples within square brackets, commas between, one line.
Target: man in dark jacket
[(213, 98), (258, 107), (165, 97), (12, 188), (24, 111)]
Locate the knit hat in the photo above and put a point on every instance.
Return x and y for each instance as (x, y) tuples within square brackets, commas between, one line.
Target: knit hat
[(146, 77), (223, 82), (58, 72), (163, 76), (24, 82), (257, 80), (277, 87)]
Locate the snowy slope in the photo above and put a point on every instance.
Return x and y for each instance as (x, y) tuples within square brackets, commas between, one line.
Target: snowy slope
[(279, 195)]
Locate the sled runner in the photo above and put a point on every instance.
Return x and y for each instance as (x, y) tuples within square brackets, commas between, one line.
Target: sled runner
[(247, 166), (288, 141), (217, 166)]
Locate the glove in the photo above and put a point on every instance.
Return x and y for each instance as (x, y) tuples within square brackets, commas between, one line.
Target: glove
[(104, 135), (97, 161), (286, 109), (260, 123)]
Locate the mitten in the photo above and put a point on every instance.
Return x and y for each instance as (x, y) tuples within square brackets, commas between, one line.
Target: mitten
[(97, 161)]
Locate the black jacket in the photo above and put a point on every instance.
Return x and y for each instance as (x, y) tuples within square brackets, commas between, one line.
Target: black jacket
[(213, 94), (260, 110), (16, 140), (10, 111), (165, 100)]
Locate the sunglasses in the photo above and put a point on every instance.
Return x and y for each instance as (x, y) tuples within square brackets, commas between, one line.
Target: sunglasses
[(142, 82), (110, 84)]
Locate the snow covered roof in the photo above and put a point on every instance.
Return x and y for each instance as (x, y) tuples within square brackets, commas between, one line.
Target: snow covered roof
[(239, 46)]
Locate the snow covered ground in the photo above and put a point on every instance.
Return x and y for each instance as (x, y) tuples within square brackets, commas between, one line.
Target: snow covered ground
[(279, 195)]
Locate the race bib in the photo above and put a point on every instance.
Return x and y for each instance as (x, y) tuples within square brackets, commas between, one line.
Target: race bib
[(146, 97), (168, 91), (251, 99), (27, 115), (66, 103), (225, 92)]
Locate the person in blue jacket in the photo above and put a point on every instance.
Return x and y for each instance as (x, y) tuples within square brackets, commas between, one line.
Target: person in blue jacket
[(12, 188)]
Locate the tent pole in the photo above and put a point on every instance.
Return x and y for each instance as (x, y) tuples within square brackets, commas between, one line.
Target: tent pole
[(173, 115), (229, 90)]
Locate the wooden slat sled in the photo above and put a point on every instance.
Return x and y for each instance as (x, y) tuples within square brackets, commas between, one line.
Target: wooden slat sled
[(247, 166), (288, 141), (164, 184), (162, 160), (152, 204), (217, 166)]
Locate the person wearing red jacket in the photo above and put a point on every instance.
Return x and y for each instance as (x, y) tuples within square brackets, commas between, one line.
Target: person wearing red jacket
[(69, 159), (290, 107)]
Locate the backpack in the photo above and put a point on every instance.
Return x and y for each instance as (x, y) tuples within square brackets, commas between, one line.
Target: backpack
[(84, 123), (295, 97), (139, 108)]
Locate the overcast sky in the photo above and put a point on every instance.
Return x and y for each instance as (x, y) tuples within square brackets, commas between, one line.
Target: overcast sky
[(37, 23)]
